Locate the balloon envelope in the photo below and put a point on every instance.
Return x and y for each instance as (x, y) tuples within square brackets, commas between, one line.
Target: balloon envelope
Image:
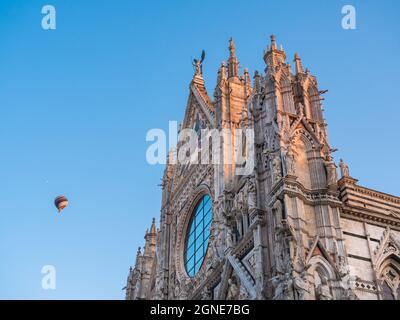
[(60, 202)]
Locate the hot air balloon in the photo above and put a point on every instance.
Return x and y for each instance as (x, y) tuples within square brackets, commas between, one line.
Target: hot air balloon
[(60, 202)]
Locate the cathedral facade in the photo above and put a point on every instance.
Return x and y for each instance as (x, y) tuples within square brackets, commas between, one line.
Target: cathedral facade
[(291, 228)]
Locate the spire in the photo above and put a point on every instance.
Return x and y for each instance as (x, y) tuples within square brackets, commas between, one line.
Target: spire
[(257, 84), (231, 47), (233, 63), (247, 82), (220, 77), (273, 42), (150, 237), (297, 62), (153, 229), (246, 77), (273, 56), (221, 72), (138, 259)]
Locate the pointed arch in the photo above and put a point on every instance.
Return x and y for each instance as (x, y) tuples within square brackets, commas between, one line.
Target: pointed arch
[(303, 143), (389, 278), (286, 94), (389, 246), (313, 103), (323, 275), (387, 260)]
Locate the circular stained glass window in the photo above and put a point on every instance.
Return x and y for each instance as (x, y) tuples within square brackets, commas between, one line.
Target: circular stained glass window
[(198, 235)]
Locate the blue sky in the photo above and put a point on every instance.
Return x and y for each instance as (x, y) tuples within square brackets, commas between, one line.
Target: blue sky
[(76, 104)]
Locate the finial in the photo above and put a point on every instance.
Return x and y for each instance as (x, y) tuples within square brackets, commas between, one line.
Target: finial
[(297, 62), (233, 63), (231, 47), (246, 76), (221, 72), (153, 227), (273, 42), (256, 78)]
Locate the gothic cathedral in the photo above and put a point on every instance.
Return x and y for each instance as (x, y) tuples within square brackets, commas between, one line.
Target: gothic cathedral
[(291, 229)]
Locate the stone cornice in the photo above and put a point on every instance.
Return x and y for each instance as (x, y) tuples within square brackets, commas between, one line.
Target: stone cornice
[(371, 216), (294, 189), (377, 194)]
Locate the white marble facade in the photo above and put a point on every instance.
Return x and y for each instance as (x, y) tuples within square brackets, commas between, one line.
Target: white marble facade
[(292, 229)]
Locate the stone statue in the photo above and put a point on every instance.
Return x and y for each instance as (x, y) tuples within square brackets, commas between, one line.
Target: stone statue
[(331, 173), (282, 251), (212, 254), (159, 287), (226, 203), (346, 286), (342, 266), (290, 161), (233, 290), (344, 169), (283, 286), (300, 109), (301, 287), (282, 260), (229, 238), (220, 241), (276, 168), (251, 195), (197, 64), (277, 214), (322, 291)]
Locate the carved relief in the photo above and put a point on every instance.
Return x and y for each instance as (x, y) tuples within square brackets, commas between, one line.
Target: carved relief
[(233, 289), (283, 287), (301, 287), (322, 290), (276, 168)]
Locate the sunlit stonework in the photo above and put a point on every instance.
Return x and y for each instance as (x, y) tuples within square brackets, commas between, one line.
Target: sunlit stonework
[(290, 230)]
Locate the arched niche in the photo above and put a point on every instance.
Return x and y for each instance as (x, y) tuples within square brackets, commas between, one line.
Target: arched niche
[(302, 147), (286, 95), (389, 278)]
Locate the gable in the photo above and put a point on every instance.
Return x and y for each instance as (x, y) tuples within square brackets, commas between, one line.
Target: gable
[(197, 111)]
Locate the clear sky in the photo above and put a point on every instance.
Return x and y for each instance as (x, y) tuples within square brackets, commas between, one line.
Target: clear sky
[(76, 104)]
